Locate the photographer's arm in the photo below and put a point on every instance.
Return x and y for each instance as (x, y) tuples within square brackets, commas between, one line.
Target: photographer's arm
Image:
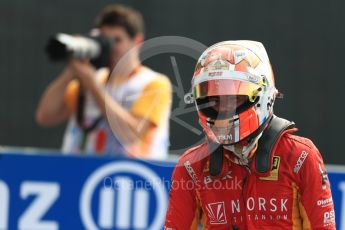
[(135, 126), (52, 108)]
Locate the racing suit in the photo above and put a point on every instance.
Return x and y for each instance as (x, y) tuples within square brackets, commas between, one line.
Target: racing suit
[(294, 194)]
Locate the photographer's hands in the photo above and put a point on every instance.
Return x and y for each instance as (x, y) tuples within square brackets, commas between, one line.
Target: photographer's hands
[(110, 108), (82, 70)]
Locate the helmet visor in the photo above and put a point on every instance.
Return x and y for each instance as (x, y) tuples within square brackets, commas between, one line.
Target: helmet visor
[(221, 87), (223, 107)]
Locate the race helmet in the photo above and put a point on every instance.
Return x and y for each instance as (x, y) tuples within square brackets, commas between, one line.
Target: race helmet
[(234, 91)]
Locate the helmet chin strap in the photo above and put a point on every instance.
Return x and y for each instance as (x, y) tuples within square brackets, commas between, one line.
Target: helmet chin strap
[(216, 149), (216, 158), (243, 152), (239, 150)]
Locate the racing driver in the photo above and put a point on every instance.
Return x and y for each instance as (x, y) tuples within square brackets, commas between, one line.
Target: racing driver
[(252, 171)]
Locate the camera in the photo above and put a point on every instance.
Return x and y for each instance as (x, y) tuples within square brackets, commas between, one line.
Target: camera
[(63, 46)]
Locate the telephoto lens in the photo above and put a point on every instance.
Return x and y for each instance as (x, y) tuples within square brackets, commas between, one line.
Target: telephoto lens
[(62, 46)]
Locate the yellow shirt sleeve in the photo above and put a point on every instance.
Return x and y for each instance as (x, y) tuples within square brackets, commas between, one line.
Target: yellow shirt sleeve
[(155, 100), (71, 95)]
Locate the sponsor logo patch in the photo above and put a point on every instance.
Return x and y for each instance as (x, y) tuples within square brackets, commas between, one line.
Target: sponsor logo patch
[(329, 218), (217, 65), (208, 179), (216, 213), (325, 202), (274, 171), (190, 171), (324, 177), (300, 161), (215, 74)]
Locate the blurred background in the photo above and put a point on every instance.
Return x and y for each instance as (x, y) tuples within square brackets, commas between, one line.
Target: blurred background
[(304, 40)]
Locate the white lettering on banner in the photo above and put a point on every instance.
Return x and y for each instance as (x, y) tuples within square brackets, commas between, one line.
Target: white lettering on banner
[(46, 194), (341, 187), (106, 208), (123, 212), (4, 205), (124, 191), (141, 215), (123, 204)]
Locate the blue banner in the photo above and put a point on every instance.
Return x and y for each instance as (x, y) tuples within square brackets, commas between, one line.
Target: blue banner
[(59, 192), (336, 175)]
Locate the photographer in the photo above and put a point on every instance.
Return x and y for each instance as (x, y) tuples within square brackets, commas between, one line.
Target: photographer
[(125, 114)]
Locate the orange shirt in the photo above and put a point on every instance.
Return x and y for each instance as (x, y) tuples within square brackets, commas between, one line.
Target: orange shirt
[(147, 94)]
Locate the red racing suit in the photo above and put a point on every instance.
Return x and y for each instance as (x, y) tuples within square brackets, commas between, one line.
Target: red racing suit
[(295, 194)]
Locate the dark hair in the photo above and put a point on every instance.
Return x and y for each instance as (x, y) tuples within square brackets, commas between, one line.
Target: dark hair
[(120, 15)]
